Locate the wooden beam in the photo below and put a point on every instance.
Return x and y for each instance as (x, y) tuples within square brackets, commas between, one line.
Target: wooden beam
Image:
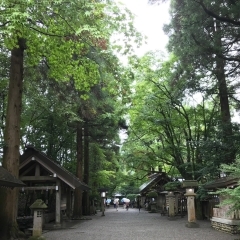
[(39, 188), (28, 170), (37, 170), (37, 178)]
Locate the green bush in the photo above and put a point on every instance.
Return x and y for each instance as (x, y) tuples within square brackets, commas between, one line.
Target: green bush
[(131, 196), (171, 186), (152, 194)]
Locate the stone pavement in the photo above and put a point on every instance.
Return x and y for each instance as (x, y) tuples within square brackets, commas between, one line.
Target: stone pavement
[(132, 225)]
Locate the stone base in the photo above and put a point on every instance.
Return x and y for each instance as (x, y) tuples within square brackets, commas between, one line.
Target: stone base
[(192, 225), (57, 226), (226, 225), (37, 232)]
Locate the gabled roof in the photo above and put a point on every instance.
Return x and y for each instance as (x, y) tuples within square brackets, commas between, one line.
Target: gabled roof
[(32, 154), (146, 184), (222, 183), (8, 180), (154, 179)]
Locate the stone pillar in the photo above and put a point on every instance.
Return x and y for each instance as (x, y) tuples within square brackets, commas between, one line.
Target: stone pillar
[(58, 203), (171, 200), (38, 207), (191, 208)]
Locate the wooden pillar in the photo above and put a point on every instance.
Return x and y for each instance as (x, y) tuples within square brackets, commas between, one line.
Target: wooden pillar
[(58, 202), (176, 203), (68, 204)]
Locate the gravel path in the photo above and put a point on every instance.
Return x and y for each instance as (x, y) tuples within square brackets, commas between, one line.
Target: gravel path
[(132, 225)]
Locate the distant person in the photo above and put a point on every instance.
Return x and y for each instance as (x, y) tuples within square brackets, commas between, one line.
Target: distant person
[(116, 202), (108, 201), (122, 201), (127, 205), (139, 205)]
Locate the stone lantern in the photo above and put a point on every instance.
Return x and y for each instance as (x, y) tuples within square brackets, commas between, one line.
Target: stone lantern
[(189, 185), (103, 192), (103, 196), (38, 207)]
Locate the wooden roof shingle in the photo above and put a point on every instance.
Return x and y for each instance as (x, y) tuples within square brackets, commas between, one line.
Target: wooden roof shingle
[(8, 180)]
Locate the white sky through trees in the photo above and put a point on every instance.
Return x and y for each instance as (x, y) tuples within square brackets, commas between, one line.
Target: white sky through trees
[(149, 20)]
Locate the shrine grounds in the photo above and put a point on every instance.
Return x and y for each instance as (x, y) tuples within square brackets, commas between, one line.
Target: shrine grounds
[(132, 225)]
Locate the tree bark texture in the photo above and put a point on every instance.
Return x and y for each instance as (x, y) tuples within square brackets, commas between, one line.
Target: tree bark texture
[(77, 211), (86, 204), (9, 197), (229, 153)]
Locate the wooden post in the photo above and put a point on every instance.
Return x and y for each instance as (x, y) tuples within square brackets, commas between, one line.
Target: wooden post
[(58, 202), (68, 204)]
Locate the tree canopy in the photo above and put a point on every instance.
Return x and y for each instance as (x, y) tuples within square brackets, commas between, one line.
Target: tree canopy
[(65, 90)]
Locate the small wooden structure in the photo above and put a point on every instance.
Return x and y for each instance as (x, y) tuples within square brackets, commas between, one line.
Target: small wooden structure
[(156, 183), (220, 219), (46, 179)]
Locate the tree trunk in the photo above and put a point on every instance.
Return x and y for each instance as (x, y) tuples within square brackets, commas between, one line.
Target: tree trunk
[(86, 204), (9, 197), (77, 211), (229, 152)]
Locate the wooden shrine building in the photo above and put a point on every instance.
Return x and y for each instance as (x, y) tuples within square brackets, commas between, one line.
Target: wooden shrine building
[(156, 182), (46, 179)]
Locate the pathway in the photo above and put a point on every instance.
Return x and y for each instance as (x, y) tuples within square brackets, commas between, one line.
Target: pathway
[(132, 225)]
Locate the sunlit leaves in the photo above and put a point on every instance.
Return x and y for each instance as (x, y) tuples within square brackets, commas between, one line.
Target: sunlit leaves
[(61, 33)]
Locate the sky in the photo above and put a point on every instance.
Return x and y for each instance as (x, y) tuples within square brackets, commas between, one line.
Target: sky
[(149, 20)]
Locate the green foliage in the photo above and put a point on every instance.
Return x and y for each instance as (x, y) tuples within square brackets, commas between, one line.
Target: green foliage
[(202, 193), (126, 184), (152, 194), (170, 186), (201, 41), (166, 131), (61, 35), (132, 197), (230, 195)]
